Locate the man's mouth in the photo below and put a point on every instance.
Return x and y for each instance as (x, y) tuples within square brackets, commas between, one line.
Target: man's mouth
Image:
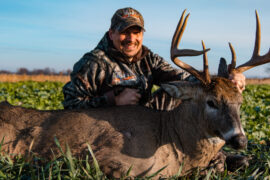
[(129, 45)]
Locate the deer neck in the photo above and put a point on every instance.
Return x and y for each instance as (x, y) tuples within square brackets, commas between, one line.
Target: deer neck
[(186, 134)]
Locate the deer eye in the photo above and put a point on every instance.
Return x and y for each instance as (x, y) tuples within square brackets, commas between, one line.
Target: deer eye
[(211, 104)]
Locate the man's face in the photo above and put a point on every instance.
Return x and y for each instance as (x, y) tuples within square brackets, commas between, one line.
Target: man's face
[(129, 42)]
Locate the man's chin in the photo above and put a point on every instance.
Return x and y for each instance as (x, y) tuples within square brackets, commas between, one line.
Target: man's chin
[(129, 54)]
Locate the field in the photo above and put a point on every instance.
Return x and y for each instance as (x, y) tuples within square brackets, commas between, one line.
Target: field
[(64, 79), (37, 78), (255, 118)]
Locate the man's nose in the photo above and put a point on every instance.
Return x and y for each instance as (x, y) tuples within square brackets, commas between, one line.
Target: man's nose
[(130, 37)]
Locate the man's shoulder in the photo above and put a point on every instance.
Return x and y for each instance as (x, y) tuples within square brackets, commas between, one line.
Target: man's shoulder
[(101, 57), (98, 53), (94, 56), (87, 60)]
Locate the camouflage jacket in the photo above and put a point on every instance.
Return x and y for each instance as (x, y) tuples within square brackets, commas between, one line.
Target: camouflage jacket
[(103, 73)]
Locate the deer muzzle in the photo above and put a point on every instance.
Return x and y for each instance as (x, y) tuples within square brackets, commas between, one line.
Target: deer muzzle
[(238, 141)]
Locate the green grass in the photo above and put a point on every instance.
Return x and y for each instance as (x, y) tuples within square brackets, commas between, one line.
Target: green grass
[(38, 95), (255, 117)]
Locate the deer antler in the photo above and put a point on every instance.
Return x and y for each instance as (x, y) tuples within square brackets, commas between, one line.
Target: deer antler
[(204, 76), (256, 59)]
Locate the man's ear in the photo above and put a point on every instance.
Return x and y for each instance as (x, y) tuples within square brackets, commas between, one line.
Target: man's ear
[(110, 33)]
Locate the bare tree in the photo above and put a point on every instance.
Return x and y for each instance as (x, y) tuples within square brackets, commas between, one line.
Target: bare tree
[(22, 71)]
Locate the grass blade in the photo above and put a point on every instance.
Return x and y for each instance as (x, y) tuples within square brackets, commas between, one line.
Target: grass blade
[(180, 170), (70, 160), (58, 145), (208, 174), (127, 173), (98, 172), (2, 142), (156, 173)]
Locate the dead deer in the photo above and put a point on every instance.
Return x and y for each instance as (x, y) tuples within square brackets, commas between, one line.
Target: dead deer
[(189, 136)]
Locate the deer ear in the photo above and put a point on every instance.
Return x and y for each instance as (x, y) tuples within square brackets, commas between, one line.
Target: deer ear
[(178, 90), (223, 68), (171, 89)]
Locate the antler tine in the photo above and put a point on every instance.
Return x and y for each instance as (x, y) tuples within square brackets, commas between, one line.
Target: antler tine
[(258, 36), (205, 66), (256, 59), (185, 52), (178, 35), (233, 63)]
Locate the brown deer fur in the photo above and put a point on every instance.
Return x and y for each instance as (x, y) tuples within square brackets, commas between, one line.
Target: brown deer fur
[(148, 140)]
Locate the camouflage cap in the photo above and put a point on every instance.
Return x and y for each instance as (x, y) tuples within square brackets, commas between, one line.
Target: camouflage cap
[(125, 18)]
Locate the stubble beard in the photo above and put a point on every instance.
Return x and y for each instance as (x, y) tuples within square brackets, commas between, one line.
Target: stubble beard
[(128, 43)]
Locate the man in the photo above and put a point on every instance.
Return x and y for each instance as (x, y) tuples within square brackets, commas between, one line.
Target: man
[(122, 71)]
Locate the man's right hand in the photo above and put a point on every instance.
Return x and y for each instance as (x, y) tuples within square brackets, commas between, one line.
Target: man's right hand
[(128, 97)]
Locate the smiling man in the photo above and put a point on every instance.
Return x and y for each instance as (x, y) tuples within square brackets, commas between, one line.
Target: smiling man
[(122, 71)]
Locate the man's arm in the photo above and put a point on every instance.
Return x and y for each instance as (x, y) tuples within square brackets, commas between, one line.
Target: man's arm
[(84, 89), (164, 72)]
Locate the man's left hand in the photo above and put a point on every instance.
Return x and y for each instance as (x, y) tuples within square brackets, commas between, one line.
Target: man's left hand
[(239, 80)]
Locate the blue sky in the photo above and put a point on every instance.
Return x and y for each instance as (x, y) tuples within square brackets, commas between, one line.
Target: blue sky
[(56, 33)]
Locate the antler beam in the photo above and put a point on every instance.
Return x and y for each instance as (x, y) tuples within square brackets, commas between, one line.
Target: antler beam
[(204, 76), (256, 59)]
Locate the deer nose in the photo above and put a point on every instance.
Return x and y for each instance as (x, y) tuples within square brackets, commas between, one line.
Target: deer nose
[(238, 142)]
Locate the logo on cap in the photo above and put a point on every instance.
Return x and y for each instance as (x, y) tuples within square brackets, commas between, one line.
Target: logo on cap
[(130, 13)]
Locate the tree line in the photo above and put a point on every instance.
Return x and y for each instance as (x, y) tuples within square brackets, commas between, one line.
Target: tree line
[(51, 71), (45, 71)]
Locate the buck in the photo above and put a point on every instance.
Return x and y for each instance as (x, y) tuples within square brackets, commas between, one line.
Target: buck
[(190, 136)]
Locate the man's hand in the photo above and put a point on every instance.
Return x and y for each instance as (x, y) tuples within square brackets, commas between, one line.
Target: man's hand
[(239, 80), (127, 97)]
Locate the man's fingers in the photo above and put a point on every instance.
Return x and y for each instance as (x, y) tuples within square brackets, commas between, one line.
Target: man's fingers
[(128, 96), (239, 80), (135, 93), (138, 95), (133, 102)]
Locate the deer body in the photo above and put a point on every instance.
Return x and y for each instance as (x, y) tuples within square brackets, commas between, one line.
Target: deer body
[(121, 137)]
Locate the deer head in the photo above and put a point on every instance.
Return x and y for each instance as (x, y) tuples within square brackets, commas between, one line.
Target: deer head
[(221, 100)]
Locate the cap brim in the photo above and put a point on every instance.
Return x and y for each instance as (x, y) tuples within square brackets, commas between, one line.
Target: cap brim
[(126, 26)]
